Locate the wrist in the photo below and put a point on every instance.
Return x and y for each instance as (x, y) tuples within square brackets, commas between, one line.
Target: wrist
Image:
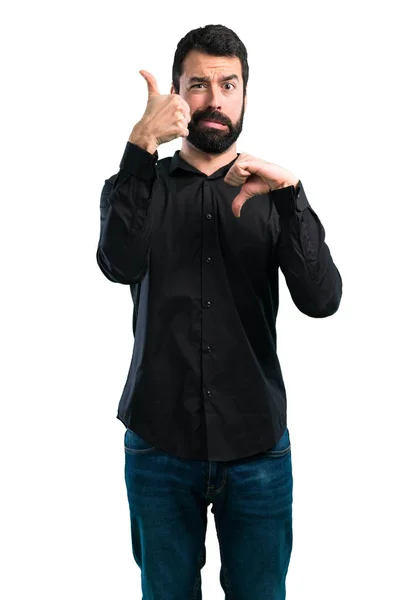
[(285, 184), (143, 139)]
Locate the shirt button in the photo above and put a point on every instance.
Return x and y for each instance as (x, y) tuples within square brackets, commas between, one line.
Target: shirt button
[(208, 393), (208, 348), (209, 216), (208, 303), (208, 259)]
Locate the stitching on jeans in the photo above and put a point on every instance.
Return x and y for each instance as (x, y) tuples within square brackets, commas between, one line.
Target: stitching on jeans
[(278, 452), (141, 451)]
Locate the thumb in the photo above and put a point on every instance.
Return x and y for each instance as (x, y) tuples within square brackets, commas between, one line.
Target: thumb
[(152, 86), (242, 197), (244, 194)]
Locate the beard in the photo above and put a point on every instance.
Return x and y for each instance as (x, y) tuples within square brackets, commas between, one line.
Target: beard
[(211, 140)]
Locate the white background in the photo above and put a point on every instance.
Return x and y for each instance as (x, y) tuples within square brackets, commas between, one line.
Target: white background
[(323, 102)]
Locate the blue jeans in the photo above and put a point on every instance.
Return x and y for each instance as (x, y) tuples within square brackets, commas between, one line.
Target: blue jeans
[(252, 505)]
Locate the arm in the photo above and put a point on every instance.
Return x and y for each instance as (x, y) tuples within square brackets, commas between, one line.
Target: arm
[(126, 216), (314, 281)]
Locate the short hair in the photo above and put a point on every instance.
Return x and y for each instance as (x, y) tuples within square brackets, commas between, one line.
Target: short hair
[(215, 40)]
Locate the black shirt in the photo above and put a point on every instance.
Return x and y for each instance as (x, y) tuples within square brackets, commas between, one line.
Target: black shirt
[(205, 380)]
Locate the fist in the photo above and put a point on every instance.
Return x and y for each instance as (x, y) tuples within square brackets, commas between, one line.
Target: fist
[(166, 116)]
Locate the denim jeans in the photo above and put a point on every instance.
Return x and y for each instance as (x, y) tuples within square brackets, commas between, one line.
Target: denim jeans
[(251, 501)]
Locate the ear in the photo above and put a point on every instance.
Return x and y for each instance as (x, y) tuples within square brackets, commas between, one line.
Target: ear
[(245, 102)]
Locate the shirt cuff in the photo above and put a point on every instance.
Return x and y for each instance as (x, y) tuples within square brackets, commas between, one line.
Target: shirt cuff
[(290, 199), (137, 161)]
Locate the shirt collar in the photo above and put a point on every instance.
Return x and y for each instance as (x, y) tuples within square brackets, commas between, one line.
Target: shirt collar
[(177, 162)]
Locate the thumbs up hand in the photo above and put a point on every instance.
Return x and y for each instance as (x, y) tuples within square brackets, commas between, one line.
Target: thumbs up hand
[(166, 116)]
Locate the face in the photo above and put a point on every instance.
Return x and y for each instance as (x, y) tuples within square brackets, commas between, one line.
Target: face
[(214, 99)]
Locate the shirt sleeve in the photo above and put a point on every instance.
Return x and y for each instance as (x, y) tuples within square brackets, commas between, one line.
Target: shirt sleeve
[(126, 217), (313, 279)]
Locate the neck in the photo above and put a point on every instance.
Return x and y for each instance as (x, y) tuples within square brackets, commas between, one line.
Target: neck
[(206, 163)]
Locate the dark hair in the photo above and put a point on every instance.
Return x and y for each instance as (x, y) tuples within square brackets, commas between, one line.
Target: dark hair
[(216, 40)]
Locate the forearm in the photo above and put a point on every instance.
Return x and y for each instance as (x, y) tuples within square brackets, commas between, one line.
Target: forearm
[(126, 218), (312, 277)]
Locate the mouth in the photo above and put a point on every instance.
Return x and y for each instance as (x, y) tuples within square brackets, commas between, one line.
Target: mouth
[(213, 124)]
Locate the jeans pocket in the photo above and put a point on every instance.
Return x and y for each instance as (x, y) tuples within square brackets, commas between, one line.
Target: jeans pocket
[(282, 446), (134, 444)]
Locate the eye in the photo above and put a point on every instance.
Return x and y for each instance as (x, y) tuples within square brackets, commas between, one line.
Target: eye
[(197, 84)]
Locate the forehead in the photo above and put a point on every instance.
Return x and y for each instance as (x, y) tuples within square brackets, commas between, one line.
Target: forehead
[(204, 65)]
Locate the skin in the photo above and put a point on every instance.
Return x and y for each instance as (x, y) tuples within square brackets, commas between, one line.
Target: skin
[(209, 149)]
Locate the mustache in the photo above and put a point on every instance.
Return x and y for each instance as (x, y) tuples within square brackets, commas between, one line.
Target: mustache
[(211, 117)]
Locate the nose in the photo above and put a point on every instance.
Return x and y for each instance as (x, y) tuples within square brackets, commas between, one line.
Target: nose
[(214, 97)]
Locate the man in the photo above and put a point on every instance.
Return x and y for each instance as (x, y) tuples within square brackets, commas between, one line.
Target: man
[(204, 403)]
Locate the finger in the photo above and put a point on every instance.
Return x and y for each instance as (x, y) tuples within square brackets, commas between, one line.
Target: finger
[(238, 169), (185, 109), (235, 182), (152, 86), (238, 178), (186, 113), (186, 105), (242, 169)]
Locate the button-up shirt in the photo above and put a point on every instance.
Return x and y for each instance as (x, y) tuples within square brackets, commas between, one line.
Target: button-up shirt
[(205, 380)]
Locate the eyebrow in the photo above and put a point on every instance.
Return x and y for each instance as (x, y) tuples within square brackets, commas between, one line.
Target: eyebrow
[(201, 79)]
